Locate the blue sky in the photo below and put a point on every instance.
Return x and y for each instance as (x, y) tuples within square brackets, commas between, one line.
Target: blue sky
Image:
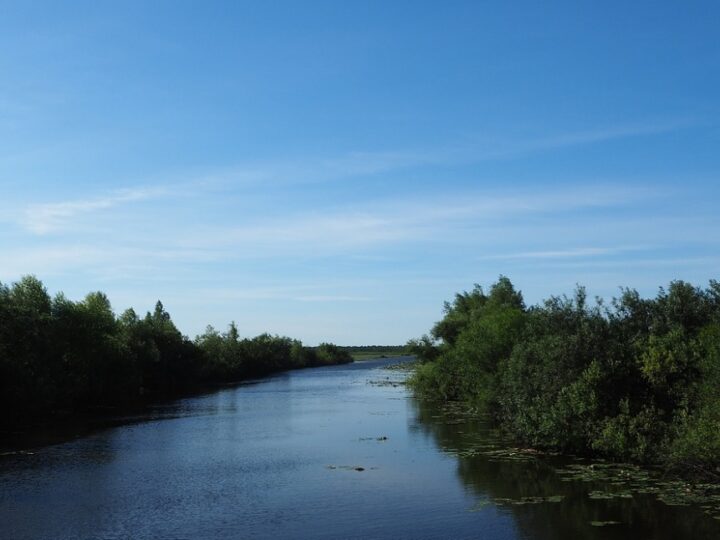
[(336, 170)]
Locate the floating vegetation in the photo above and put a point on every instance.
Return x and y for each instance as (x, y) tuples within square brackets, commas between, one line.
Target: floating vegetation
[(520, 501), (606, 482), (348, 468), (623, 481), (528, 500), (479, 505), (604, 523), (386, 382), (495, 454), (402, 366), (610, 495), (17, 453), (604, 472)]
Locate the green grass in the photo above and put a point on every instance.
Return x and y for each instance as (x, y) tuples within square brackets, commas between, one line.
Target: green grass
[(370, 354)]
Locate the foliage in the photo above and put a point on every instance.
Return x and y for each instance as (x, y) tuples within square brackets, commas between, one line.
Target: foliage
[(367, 352), (636, 379), (60, 355), (327, 354)]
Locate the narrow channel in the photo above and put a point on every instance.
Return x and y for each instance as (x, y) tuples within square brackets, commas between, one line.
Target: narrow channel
[(336, 452)]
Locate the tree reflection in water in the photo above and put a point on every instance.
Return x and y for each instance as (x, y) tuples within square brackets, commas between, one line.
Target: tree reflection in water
[(545, 504)]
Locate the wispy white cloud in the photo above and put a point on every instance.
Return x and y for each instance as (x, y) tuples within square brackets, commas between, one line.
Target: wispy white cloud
[(650, 262), (178, 246), (48, 217), (564, 253), (44, 218), (607, 133), (366, 163), (116, 259), (332, 298), (393, 222), (303, 292), (46, 259)]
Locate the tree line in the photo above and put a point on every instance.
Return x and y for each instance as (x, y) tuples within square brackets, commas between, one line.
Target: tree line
[(57, 355), (367, 352), (634, 379)]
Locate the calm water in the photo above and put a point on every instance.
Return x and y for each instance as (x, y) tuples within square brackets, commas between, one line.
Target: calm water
[(278, 459)]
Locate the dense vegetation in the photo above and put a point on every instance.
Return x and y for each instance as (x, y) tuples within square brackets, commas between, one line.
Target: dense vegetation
[(637, 379), (60, 355)]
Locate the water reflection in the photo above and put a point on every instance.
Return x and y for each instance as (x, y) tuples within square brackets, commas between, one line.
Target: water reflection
[(280, 459), (542, 504)]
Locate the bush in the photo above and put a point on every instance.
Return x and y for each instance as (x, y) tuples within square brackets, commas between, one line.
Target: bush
[(634, 380)]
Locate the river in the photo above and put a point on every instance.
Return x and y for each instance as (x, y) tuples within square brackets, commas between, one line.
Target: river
[(337, 452)]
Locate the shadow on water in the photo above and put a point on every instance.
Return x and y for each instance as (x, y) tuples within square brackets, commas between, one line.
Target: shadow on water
[(205, 401), (548, 503)]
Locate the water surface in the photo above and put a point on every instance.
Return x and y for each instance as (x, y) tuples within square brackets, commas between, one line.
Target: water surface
[(338, 452)]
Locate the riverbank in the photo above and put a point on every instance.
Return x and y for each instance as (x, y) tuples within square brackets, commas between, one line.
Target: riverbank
[(632, 381)]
